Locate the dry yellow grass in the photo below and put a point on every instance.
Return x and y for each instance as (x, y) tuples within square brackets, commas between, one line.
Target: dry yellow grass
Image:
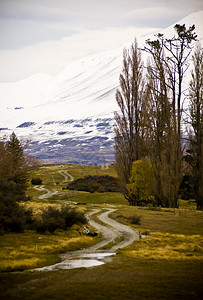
[(168, 246), (31, 250)]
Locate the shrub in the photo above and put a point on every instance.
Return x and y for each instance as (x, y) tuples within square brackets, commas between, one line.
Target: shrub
[(135, 219), (14, 218), (71, 216), (36, 181), (145, 233), (52, 219)]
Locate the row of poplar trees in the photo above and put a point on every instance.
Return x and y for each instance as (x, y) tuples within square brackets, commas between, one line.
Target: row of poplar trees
[(149, 123)]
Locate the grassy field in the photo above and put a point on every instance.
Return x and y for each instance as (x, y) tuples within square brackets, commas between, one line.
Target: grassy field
[(168, 264)]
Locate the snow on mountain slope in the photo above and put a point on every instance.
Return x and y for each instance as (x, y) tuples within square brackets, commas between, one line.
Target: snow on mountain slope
[(85, 88), (69, 117)]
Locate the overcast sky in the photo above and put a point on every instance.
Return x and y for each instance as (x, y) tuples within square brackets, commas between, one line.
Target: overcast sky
[(45, 35)]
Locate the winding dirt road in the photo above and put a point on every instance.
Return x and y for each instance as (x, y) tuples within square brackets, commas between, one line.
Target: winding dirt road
[(114, 236), (116, 233), (47, 193), (67, 176)]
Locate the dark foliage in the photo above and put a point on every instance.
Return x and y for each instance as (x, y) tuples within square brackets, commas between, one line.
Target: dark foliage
[(135, 219), (52, 219), (95, 183), (187, 188), (16, 162), (13, 185), (36, 181), (13, 217)]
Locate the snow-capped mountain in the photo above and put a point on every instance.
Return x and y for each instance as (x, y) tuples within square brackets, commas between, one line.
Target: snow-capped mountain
[(69, 117)]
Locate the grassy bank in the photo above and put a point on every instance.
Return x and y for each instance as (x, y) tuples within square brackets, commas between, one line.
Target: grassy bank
[(31, 250)]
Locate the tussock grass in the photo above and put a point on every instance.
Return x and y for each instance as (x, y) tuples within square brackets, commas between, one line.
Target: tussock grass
[(168, 246), (31, 250)]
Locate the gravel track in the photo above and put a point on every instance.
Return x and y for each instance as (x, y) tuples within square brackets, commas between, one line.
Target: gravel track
[(94, 256), (47, 193), (114, 236)]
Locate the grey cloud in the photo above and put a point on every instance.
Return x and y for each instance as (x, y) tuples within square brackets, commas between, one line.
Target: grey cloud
[(25, 22), (19, 33)]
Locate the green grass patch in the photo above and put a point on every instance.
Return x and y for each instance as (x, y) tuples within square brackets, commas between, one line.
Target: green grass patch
[(165, 221), (96, 198), (124, 278), (54, 181)]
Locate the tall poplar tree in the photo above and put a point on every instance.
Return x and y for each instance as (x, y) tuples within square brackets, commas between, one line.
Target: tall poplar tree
[(195, 152), (128, 143)]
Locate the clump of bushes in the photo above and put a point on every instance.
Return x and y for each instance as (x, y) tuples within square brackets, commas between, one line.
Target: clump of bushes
[(53, 218), (15, 218), (96, 183), (36, 181)]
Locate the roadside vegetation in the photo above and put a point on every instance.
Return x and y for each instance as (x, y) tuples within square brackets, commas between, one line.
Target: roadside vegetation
[(31, 250)]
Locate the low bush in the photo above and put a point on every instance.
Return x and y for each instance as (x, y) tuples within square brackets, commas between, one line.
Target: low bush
[(36, 181), (14, 218), (52, 219), (95, 183), (135, 219)]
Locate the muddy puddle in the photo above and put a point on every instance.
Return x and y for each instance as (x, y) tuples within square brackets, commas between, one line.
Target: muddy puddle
[(87, 260)]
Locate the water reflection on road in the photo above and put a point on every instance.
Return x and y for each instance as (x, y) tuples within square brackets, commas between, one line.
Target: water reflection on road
[(84, 261)]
